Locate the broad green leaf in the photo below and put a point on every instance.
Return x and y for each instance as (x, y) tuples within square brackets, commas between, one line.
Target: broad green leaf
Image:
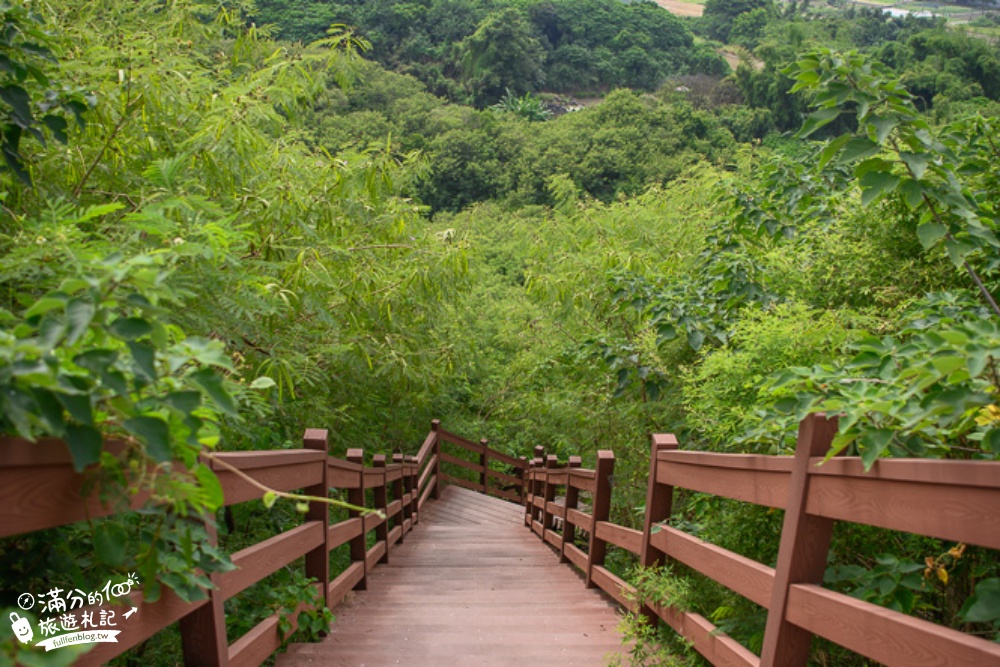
[(873, 443), (883, 125), (984, 604), (85, 443), (212, 385), (130, 328), (957, 250), (876, 183), (78, 406), (930, 233), (183, 401), (695, 339), (155, 433), (831, 149), (913, 193), (263, 382), (916, 162), (44, 305), (818, 119), (856, 149), (96, 360), (79, 313), (109, 543), (946, 364), (144, 356)]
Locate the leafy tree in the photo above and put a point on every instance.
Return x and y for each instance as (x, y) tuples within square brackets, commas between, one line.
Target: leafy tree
[(502, 54)]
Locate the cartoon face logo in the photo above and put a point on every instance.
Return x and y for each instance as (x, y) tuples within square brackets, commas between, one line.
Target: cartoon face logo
[(21, 628)]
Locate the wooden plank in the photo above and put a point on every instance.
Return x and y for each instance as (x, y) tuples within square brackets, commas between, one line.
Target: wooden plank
[(426, 447), (464, 483), (251, 460), (583, 479), (803, 549), (613, 586), (503, 477), (428, 472), (262, 640), (48, 496), (343, 474), (430, 489), (372, 521), (345, 583), (478, 449), (155, 617), (575, 556), (267, 557), (393, 472), (373, 555), (626, 538), (538, 501), (761, 486), (747, 577), (374, 478), (886, 636), (718, 648), (506, 495), (395, 534), (553, 538), (946, 511), (394, 508), (581, 520), (536, 526), (461, 463), (984, 474), (345, 531), (556, 509)]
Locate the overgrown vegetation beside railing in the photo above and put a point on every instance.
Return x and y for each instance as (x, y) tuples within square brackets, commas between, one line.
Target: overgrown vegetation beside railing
[(956, 501)]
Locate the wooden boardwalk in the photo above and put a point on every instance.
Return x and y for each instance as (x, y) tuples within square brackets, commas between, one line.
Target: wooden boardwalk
[(470, 586)]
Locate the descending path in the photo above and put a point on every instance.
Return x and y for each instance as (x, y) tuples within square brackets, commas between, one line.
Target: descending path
[(469, 586)]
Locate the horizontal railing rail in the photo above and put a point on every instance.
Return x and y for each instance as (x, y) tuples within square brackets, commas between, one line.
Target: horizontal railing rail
[(509, 485), (41, 490), (950, 500)]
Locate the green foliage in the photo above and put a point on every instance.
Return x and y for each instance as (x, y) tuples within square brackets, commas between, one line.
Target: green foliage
[(527, 106), (29, 99), (563, 45)]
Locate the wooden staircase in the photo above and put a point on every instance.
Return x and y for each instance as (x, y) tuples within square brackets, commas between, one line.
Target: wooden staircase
[(470, 586)]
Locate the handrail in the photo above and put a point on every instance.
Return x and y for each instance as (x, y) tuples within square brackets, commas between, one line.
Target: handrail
[(41, 490), (952, 500)]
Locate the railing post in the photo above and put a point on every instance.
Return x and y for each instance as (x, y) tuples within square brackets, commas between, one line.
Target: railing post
[(572, 496), (659, 502), (484, 461), (411, 484), (522, 494), (382, 503), (802, 554), (203, 631), (399, 493), (318, 560), (357, 497), (549, 494), (436, 427), (601, 511)]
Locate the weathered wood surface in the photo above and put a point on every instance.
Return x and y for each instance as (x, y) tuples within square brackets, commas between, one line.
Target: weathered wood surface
[(469, 587)]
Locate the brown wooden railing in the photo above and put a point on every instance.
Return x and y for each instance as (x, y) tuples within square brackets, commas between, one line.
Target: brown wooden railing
[(39, 489), (949, 500)]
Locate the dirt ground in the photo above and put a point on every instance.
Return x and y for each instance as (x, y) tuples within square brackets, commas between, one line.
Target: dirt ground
[(681, 8)]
